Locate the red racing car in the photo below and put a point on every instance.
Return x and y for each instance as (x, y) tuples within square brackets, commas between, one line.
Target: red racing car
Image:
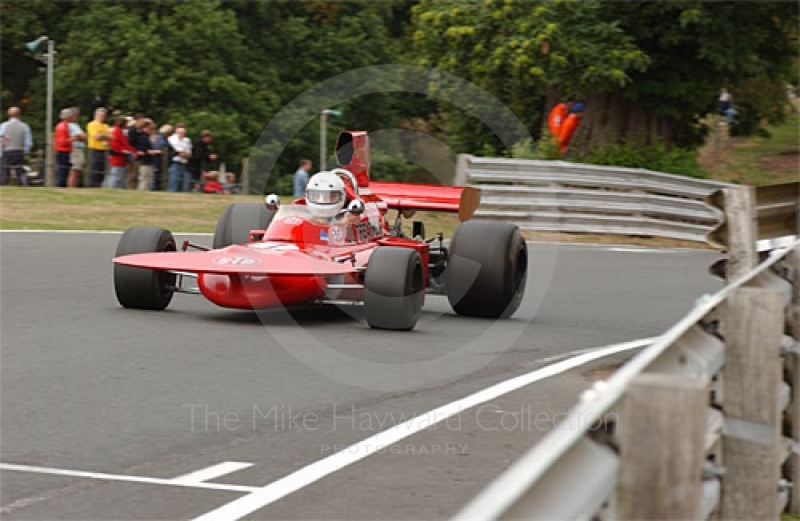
[(334, 245)]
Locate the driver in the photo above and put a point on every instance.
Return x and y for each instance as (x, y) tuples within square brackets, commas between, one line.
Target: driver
[(325, 195)]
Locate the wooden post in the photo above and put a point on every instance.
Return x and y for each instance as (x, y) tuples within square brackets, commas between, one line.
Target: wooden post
[(662, 445), (794, 459), (741, 224), (752, 322), (244, 180), (462, 168)]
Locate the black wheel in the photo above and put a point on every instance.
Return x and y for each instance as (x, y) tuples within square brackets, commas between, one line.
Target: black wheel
[(238, 220), (486, 269), (141, 288), (393, 288)]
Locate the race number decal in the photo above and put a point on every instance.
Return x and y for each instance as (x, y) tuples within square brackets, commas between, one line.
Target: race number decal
[(236, 260)]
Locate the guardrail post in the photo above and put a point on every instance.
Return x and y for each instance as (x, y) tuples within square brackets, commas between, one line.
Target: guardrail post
[(741, 225), (752, 323), (462, 170), (794, 322), (662, 445)]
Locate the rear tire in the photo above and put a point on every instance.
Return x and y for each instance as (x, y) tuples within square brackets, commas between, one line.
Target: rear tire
[(238, 220), (487, 269), (141, 288), (393, 288)]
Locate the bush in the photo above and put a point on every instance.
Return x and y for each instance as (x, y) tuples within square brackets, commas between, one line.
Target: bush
[(544, 149), (678, 161)]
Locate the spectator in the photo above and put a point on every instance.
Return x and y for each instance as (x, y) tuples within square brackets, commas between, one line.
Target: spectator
[(569, 126), (301, 178), (159, 140), (201, 156), (77, 157), (134, 131), (99, 134), (120, 154), (179, 179), (726, 106), (145, 152), (63, 146), (557, 117), (15, 143)]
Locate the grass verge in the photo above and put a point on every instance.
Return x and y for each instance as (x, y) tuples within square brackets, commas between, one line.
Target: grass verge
[(78, 209), (758, 160)]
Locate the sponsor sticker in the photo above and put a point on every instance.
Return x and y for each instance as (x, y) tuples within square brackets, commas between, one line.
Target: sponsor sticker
[(235, 260)]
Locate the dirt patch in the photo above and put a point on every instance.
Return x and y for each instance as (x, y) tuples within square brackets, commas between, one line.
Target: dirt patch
[(785, 165), (621, 240), (602, 372)]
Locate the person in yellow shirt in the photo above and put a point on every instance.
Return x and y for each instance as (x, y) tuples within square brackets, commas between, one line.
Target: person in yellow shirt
[(98, 136)]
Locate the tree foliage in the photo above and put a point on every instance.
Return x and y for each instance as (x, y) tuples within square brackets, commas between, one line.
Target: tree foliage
[(649, 70)]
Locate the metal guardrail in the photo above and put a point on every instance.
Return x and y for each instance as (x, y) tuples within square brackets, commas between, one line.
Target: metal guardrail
[(573, 197), (697, 419)]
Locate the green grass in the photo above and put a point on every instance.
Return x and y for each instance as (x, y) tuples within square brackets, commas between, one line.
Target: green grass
[(757, 160), (84, 209)]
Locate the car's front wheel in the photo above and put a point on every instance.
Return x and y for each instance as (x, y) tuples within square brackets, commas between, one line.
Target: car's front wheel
[(393, 288)]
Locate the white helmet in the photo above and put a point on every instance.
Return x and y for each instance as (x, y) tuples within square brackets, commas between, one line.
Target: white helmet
[(325, 195)]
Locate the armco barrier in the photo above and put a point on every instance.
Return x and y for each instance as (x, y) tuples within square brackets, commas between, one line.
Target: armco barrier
[(573, 197), (699, 427), (706, 419)]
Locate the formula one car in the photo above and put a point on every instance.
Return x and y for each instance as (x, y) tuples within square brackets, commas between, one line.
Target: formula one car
[(334, 245)]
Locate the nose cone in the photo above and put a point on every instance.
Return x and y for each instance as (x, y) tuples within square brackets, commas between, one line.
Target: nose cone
[(259, 291)]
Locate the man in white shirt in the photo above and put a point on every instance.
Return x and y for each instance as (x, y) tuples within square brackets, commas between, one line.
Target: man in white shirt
[(179, 179), (15, 141)]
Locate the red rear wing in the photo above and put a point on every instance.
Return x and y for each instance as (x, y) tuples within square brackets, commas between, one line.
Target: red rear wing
[(463, 200)]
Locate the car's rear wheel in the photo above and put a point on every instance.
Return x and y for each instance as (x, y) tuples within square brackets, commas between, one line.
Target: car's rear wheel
[(238, 220), (487, 269), (141, 288), (393, 288)]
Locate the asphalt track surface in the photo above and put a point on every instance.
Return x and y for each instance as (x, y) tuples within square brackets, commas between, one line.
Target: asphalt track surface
[(87, 386)]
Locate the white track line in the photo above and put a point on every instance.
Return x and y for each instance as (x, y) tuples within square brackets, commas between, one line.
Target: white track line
[(295, 481), (212, 472), (119, 477), (98, 232)]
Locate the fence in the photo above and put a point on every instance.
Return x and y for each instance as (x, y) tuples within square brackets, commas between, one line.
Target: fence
[(572, 197), (702, 427)]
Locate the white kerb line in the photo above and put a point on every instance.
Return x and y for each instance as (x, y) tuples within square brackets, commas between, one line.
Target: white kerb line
[(212, 472), (315, 471), (122, 477)]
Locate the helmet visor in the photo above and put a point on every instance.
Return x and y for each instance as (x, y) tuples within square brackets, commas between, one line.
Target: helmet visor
[(323, 196)]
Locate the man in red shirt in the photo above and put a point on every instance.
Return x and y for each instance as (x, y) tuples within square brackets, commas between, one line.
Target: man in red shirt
[(63, 146), (557, 117), (569, 126)]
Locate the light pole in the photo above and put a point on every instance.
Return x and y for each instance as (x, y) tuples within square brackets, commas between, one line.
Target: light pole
[(35, 46), (323, 124)]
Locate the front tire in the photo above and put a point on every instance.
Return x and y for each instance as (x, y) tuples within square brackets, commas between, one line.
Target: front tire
[(141, 288), (393, 288), (238, 220), (487, 269)]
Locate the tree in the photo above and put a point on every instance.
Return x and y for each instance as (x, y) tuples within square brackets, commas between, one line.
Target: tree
[(648, 70)]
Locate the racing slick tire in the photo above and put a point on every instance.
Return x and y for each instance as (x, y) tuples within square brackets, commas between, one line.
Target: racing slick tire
[(141, 288), (487, 269), (393, 288), (238, 220)]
